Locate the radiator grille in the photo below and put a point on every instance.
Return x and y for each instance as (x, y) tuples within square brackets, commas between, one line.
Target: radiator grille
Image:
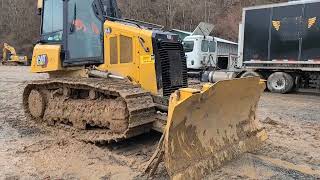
[(173, 66)]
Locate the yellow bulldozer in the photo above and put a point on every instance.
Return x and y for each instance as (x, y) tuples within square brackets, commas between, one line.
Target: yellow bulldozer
[(112, 78), (10, 56)]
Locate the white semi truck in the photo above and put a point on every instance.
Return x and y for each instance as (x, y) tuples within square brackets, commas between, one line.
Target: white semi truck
[(207, 54)]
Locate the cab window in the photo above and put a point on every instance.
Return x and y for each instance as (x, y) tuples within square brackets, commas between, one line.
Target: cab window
[(52, 21), (212, 46), (84, 37), (188, 46), (205, 46)]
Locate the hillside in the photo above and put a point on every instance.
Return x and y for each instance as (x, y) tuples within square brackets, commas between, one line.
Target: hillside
[(20, 25), (186, 14)]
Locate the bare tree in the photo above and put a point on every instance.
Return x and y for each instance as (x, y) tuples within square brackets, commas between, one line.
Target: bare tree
[(187, 14), (19, 24)]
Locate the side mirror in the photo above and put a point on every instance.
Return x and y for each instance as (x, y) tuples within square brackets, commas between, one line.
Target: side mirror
[(40, 7)]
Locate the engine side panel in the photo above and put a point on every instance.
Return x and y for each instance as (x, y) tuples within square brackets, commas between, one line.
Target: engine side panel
[(128, 52)]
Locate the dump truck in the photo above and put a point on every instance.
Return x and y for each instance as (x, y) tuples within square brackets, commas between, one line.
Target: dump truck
[(281, 44), (10, 56), (111, 79)]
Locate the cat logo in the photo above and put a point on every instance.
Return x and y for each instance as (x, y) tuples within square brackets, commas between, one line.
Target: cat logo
[(42, 60), (276, 25), (108, 30), (311, 22)]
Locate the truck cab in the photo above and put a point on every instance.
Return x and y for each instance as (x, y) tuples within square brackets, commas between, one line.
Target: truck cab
[(200, 52)]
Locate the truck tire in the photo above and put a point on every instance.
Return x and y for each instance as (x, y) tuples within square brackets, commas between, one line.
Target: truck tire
[(280, 82), (250, 74)]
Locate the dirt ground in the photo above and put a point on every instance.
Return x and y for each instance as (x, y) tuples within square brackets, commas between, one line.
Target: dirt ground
[(32, 151)]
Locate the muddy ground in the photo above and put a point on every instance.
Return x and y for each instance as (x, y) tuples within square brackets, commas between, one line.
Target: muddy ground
[(31, 151)]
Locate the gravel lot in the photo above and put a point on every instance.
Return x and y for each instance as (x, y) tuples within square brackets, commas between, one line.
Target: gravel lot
[(32, 151)]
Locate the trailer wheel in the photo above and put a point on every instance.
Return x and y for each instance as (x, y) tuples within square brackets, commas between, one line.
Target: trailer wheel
[(250, 74), (280, 82)]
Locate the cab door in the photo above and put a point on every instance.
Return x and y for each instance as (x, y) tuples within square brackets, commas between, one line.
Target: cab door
[(204, 52), (212, 56), (83, 40)]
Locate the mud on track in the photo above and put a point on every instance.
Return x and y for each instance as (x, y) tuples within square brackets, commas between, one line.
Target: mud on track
[(31, 151)]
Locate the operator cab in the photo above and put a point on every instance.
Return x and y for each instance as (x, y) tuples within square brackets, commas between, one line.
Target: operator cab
[(80, 32)]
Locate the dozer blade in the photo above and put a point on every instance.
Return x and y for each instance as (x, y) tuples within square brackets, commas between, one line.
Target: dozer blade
[(209, 127)]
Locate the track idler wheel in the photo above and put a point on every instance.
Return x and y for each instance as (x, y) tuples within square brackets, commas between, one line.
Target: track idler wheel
[(36, 104)]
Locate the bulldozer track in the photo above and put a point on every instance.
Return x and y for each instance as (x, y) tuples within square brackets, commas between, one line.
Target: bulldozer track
[(96, 110)]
